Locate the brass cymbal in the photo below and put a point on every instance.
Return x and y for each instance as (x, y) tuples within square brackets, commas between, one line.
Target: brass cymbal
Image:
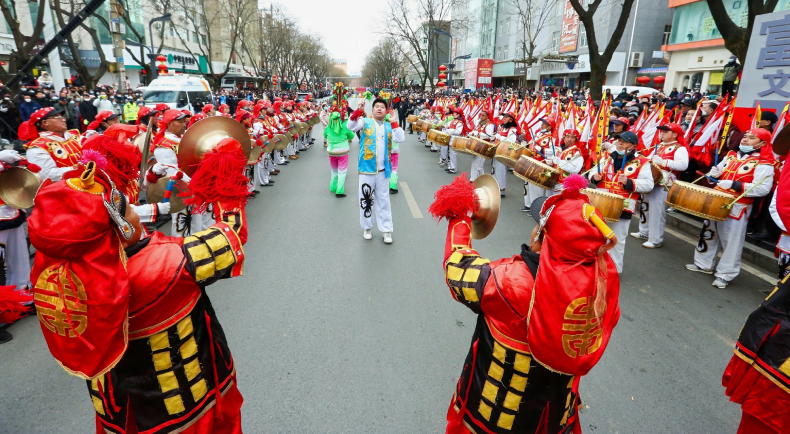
[(18, 187), (201, 138), (281, 141), (488, 198), (255, 152), (156, 192), (268, 144)]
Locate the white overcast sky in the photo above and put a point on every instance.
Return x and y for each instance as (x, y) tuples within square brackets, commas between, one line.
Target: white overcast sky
[(347, 27)]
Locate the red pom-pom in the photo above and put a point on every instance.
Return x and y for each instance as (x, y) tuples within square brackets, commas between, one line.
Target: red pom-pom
[(219, 179), (574, 183), (458, 199), (89, 155), (11, 304), (33, 167)]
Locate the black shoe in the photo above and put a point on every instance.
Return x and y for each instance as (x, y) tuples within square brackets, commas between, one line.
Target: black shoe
[(411, 132), (270, 184), (256, 191), (5, 336), (763, 235), (340, 195), (446, 170), (285, 163), (393, 191), (432, 150), (525, 209)]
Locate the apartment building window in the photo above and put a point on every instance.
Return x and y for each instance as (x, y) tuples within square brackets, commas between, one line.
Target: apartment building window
[(520, 53), (172, 30), (507, 26), (582, 36), (498, 53), (505, 52), (555, 42), (203, 38), (667, 33), (560, 8)]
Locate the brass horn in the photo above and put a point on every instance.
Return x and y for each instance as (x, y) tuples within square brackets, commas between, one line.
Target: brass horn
[(202, 137), (488, 199), (18, 187)]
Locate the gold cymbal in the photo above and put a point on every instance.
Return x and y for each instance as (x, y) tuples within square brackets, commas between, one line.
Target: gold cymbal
[(255, 152), (488, 199), (201, 138), (281, 141), (156, 192), (18, 187)]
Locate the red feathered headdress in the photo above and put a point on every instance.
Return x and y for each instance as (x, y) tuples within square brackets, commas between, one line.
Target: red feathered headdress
[(219, 178), (457, 199), (123, 160)]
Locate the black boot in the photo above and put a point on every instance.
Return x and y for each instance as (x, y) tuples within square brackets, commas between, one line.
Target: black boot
[(5, 336)]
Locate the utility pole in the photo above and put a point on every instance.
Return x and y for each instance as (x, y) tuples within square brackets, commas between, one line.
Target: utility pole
[(116, 12)]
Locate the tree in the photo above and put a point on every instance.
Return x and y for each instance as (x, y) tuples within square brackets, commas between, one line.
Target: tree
[(599, 61), (532, 17), (24, 44), (383, 63), (65, 11), (736, 38)]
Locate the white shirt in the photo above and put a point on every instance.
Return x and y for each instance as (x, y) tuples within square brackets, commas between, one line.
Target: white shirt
[(42, 159)]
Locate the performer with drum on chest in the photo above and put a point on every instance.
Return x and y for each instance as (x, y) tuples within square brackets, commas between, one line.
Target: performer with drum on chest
[(484, 130), (569, 159), (672, 157), (508, 131), (746, 174), (543, 149), (625, 174), (457, 128)]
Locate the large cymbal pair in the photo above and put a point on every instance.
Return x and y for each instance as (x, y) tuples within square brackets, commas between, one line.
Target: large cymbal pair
[(488, 200), (18, 187), (199, 140)]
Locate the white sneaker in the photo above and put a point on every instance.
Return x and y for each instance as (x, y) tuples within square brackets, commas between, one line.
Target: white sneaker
[(649, 245), (367, 235), (638, 235), (720, 283), (693, 267), (388, 237)]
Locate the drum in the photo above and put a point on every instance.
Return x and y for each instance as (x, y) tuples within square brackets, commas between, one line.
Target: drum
[(411, 119), (481, 148), (609, 204), (536, 173), (658, 174), (508, 153), (439, 137), (419, 124), (700, 201), (460, 145)]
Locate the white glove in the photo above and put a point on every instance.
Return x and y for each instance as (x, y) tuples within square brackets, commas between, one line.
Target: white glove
[(659, 161), (9, 156), (556, 161), (715, 172), (725, 184), (159, 169), (163, 207)]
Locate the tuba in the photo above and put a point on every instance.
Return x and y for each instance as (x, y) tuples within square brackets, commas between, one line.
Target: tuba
[(488, 201)]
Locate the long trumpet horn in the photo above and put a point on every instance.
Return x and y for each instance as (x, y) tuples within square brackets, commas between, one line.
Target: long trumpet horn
[(488, 200), (202, 137)]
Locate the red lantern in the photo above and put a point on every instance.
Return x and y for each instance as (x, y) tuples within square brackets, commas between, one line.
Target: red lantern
[(440, 84), (643, 80), (660, 79), (442, 76), (161, 58), (442, 68), (162, 67)]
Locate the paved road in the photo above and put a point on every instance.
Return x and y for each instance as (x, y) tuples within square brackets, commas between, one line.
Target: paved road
[(335, 334)]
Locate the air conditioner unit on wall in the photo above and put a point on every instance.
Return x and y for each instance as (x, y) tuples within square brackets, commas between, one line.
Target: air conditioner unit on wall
[(636, 59)]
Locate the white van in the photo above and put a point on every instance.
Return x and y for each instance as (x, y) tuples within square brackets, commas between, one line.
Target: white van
[(643, 91), (177, 91)]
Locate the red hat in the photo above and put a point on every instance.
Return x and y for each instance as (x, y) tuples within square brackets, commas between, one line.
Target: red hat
[(78, 258), (761, 133), (243, 103), (675, 128), (223, 107), (28, 129), (551, 123), (572, 132), (576, 292), (171, 115), (267, 104), (513, 116), (278, 99), (162, 107), (307, 98), (241, 115), (187, 113), (277, 105), (103, 115), (121, 132), (144, 111), (207, 108), (197, 117)]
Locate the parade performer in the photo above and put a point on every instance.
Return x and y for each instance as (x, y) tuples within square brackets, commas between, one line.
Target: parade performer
[(747, 173), (427, 116), (138, 325), (53, 147), (626, 174), (569, 159), (507, 131), (375, 165), (438, 118), (262, 135), (672, 157), (757, 377), (338, 138), (619, 125), (143, 117), (484, 130), (545, 315), (543, 149), (456, 128)]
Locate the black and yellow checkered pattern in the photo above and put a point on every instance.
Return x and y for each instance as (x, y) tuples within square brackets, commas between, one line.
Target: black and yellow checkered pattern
[(210, 255), (466, 274)]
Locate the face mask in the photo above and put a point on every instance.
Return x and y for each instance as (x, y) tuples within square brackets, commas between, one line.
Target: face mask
[(77, 99), (746, 149), (619, 152), (27, 100)]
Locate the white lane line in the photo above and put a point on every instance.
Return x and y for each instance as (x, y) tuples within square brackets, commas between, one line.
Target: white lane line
[(415, 210), (767, 277)]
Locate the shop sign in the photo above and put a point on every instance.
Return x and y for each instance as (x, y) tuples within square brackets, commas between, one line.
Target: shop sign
[(766, 71), (570, 29)]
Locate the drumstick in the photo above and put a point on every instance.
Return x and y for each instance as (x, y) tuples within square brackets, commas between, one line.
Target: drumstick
[(729, 205), (704, 175)]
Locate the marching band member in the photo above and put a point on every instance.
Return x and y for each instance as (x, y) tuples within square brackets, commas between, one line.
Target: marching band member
[(53, 147), (672, 157), (626, 174), (338, 138), (543, 149), (746, 174), (103, 121), (521, 303), (148, 343), (783, 243), (484, 130), (375, 165), (244, 117), (272, 123), (426, 115), (143, 117), (456, 128), (507, 131), (569, 160), (438, 117), (209, 110), (261, 134), (619, 125), (224, 110)]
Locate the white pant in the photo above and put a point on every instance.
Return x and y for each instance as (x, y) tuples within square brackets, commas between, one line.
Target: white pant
[(278, 158), (477, 167), (726, 237), (423, 137), (452, 159), (434, 146), (374, 192), (13, 247), (500, 174), (443, 153), (532, 192), (620, 229), (184, 223), (656, 215), (263, 170)]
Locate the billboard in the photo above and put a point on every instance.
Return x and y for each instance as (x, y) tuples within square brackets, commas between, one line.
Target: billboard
[(570, 29), (478, 73)]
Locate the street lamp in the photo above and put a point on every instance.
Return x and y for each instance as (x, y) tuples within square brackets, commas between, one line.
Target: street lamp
[(165, 17), (452, 65)]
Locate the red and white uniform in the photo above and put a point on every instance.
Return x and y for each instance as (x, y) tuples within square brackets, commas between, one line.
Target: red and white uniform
[(55, 155), (485, 132), (500, 170), (671, 158)]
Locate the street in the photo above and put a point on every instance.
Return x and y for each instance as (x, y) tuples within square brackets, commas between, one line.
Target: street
[(335, 334)]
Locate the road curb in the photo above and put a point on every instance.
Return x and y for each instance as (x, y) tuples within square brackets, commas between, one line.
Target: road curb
[(754, 255)]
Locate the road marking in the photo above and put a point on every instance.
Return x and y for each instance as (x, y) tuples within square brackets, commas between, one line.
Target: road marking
[(415, 210), (765, 276)]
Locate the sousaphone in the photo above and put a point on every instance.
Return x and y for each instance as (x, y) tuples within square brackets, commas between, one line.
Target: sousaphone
[(201, 138), (18, 187), (488, 201)]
